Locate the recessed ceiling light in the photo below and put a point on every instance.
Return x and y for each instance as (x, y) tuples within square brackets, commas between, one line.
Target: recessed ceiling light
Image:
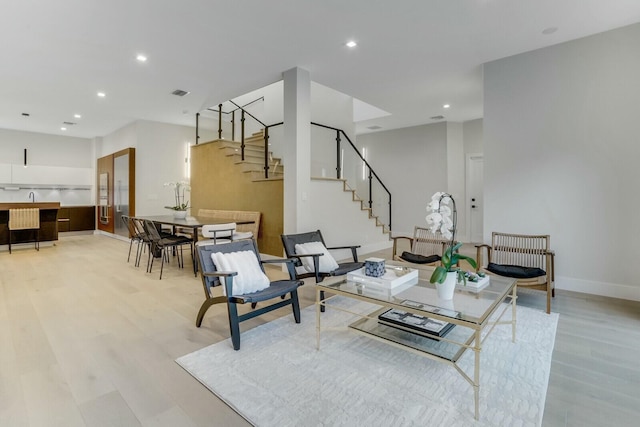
[(77, 116), (446, 106), (549, 30), (141, 58), (351, 43), (102, 94), (63, 128)]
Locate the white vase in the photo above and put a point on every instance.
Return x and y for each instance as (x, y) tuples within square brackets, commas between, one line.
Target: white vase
[(179, 214), (446, 289)]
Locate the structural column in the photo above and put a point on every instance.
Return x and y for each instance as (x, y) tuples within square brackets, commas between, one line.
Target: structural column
[(297, 150)]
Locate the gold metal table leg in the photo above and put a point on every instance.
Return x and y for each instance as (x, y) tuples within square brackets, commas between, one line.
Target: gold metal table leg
[(317, 318), (476, 374), (514, 297)]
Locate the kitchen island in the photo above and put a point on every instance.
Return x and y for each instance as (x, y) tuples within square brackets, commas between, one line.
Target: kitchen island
[(48, 222)]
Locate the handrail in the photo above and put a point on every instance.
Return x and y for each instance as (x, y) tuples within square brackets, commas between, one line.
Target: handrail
[(239, 107), (266, 167), (250, 115), (371, 174), (233, 120)]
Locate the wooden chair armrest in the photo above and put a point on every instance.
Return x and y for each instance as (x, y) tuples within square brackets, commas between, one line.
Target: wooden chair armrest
[(551, 263), (278, 260), (410, 238), (219, 273), (353, 248), (291, 263), (344, 247), (306, 255), (394, 253), (479, 249)]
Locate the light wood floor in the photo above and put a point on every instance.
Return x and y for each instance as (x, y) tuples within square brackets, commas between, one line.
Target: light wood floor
[(87, 339)]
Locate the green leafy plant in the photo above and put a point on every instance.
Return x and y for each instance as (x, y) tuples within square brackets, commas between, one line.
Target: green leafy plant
[(450, 260)]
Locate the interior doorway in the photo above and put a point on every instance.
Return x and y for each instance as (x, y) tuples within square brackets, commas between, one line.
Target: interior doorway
[(475, 199), (116, 190)]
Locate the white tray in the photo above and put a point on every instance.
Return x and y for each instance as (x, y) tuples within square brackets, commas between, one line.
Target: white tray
[(481, 283), (389, 280)]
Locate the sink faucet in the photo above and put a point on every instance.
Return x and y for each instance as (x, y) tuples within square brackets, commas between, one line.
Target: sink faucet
[(32, 196)]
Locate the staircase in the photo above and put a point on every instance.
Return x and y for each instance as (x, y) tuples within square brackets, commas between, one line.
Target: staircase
[(253, 163), (363, 204)]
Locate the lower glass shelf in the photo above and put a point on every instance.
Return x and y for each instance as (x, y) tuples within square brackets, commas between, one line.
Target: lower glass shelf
[(423, 342)]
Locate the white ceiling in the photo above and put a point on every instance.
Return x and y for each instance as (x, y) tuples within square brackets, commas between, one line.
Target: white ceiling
[(413, 55)]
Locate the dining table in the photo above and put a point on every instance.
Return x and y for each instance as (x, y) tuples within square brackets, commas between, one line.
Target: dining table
[(192, 222)]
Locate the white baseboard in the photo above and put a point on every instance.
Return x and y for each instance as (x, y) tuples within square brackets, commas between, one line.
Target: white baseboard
[(612, 290), (112, 235)]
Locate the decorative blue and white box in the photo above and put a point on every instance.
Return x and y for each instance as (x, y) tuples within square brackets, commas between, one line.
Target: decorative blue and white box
[(374, 267)]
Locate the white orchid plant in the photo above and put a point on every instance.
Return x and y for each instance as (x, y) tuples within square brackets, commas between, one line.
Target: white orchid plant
[(179, 187), (442, 217)]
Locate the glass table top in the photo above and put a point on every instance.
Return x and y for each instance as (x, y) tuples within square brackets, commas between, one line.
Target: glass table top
[(469, 304)]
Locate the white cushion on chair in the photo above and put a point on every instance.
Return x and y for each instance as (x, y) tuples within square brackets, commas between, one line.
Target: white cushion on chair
[(250, 277), (326, 263)]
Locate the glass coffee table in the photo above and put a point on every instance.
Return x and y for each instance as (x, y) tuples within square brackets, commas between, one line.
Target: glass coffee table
[(412, 317)]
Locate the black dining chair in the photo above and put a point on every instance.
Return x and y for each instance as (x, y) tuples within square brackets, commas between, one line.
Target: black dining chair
[(134, 236), (160, 246)]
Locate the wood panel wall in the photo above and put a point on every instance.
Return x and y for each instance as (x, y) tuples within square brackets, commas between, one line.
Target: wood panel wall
[(218, 183)]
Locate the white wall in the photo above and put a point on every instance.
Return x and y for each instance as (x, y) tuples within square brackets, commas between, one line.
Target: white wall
[(412, 162), (60, 168), (331, 108), (456, 176), (473, 136), (161, 154), (561, 156), (125, 137), (343, 222)]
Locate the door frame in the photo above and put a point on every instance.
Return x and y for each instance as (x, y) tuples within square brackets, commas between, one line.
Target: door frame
[(469, 158), (106, 165)]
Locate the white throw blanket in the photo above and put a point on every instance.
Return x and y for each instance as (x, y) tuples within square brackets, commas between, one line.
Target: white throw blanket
[(250, 277)]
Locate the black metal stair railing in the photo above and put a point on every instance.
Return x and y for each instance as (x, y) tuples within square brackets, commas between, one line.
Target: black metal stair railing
[(371, 174)]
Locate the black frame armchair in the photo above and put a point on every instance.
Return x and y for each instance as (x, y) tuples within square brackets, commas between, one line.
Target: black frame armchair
[(289, 241), (211, 278)]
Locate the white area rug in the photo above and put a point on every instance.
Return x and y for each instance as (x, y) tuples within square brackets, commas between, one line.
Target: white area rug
[(278, 378)]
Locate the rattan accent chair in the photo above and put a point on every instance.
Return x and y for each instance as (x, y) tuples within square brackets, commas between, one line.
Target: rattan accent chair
[(527, 258), (427, 247)]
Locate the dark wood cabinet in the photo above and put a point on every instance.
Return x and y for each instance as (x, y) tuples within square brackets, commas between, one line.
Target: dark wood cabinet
[(48, 223), (77, 218)]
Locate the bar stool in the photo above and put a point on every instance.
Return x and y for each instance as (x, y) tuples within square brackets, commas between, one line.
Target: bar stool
[(25, 219)]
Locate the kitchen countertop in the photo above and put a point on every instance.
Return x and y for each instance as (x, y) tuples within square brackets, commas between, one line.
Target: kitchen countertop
[(21, 205)]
